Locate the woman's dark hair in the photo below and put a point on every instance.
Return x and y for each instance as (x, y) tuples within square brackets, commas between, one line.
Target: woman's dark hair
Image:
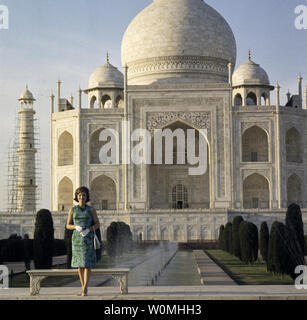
[(84, 190)]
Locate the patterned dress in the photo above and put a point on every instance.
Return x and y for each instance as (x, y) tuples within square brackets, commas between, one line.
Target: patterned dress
[(83, 252)]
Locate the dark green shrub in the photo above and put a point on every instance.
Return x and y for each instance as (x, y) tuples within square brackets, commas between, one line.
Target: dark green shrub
[(227, 236), (236, 249), (13, 249), (43, 244), (277, 253), (295, 225), (59, 248), (119, 239), (305, 237), (28, 251), (221, 238), (248, 233), (264, 241)]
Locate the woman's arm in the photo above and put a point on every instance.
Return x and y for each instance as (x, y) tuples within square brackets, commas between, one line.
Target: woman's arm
[(69, 219), (96, 221)]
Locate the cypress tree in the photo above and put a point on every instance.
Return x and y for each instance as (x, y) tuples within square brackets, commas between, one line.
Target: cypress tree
[(264, 241), (242, 238), (119, 238), (227, 236), (221, 238), (43, 243), (28, 248), (295, 226), (248, 233), (277, 254), (235, 236)]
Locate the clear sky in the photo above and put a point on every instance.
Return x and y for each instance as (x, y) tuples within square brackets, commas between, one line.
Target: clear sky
[(68, 39)]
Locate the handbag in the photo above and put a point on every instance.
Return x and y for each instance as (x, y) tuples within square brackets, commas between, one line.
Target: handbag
[(97, 243)]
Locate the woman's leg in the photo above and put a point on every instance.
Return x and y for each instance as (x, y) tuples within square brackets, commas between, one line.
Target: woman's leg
[(81, 276), (87, 274)]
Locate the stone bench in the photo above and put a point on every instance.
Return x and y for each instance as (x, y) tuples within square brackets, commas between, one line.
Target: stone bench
[(37, 276)]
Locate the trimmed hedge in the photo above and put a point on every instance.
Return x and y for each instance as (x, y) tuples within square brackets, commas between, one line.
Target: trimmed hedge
[(43, 244), (228, 237), (295, 225), (236, 249), (221, 238), (248, 233), (264, 241), (119, 239)]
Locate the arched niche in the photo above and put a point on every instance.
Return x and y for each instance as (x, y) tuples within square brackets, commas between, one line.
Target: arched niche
[(65, 194), (255, 145), (65, 149), (256, 192)]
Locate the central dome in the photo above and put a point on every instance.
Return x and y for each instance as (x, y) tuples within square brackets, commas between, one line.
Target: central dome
[(178, 41)]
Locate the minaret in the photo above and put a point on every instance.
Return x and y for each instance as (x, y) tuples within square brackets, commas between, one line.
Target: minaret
[(300, 90), (26, 182)]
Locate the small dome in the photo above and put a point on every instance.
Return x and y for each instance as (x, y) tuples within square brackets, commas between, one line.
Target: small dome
[(250, 73), (106, 76), (27, 95)]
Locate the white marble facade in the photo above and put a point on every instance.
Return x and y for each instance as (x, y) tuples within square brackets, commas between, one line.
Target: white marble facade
[(181, 74)]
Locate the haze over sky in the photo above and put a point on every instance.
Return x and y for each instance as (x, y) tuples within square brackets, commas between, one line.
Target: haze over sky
[(68, 39)]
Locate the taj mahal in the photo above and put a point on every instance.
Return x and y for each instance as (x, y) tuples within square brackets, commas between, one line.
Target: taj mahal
[(179, 71)]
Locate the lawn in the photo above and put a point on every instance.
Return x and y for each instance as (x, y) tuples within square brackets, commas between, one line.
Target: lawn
[(244, 274)]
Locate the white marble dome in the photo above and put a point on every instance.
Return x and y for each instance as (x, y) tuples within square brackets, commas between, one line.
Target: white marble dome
[(173, 40), (250, 73), (106, 76), (26, 95)]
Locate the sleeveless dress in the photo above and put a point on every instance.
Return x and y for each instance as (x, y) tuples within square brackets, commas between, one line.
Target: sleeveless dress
[(83, 252)]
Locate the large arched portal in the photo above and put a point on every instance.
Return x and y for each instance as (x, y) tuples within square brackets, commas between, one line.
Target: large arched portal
[(171, 184), (256, 192), (103, 193), (65, 194)]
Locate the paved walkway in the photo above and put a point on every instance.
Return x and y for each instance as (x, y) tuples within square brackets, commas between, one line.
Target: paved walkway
[(211, 274), (162, 293), (99, 280)]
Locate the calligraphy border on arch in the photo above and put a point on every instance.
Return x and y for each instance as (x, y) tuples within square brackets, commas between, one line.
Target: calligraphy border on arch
[(198, 119)]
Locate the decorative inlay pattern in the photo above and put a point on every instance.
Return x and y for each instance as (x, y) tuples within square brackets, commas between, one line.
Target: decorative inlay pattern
[(157, 120)]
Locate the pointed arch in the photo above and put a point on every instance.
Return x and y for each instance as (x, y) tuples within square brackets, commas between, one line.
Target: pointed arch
[(164, 175), (264, 99), (93, 102), (294, 147), (106, 102), (65, 149), (119, 102), (95, 146), (255, 145), (103, 193), (238, 101), (65, 194), (256, 192), (294, 190), (251, 99)]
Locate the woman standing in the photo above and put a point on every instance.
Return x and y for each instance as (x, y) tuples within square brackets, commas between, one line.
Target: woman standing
[(85, 221)]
